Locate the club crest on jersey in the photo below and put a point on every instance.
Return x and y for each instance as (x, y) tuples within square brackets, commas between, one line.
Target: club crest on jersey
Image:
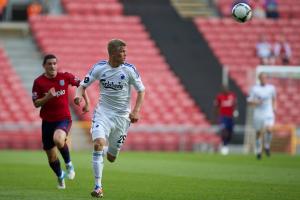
[(122, 76), (61, 82)]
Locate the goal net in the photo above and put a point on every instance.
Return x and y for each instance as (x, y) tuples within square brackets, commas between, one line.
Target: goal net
[(287, 83)]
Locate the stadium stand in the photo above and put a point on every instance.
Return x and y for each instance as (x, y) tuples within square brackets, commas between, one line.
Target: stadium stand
[(287, 8), (235, 49), (81, 38), (93, 7), (82, 41), (16, 108)]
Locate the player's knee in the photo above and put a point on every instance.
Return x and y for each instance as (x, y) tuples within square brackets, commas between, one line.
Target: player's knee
[(99, 144), (59, 138), (111, 158)]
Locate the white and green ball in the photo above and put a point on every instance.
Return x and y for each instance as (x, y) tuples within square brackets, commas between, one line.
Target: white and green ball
[(241, 12)]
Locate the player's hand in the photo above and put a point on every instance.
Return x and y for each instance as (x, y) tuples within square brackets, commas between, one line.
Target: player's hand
[(51, 93), (134, 117), (258, 102), (85, 109), (77, 100)]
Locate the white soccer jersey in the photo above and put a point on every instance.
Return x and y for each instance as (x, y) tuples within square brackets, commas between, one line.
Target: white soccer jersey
[(115, 86), (265, 93)]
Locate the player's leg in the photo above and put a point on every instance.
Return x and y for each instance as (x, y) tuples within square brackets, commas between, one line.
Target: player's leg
[(100, 128), (55, 166), (226, 127), (268, 135), (60, 138), (258, 125), (50, 149), (117, 138)]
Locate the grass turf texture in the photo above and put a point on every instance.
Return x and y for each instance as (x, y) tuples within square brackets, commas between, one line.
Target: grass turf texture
[(155, 176)]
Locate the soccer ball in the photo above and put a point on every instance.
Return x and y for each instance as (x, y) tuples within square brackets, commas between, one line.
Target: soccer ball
[(241, 12)]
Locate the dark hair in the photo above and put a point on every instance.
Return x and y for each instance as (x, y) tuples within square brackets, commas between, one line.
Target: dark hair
[(48, 56)]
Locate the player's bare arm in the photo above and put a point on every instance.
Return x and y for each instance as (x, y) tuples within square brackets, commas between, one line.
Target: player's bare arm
[(81, 93), (255, 102), (86, 107), (274, 104), (134, 115), (49, 95)]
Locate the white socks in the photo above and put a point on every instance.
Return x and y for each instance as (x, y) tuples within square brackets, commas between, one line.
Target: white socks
[(98, 165), (105, 149), (258, 146), (267, 140)]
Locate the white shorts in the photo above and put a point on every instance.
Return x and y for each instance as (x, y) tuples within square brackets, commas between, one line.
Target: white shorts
[(263, 122), (112, 128)]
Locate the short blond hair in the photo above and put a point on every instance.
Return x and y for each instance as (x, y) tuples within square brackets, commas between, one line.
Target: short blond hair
[(114, 45)]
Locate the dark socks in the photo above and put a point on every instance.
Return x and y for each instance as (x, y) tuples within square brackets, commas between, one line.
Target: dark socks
[(65, 153), (55, 166)]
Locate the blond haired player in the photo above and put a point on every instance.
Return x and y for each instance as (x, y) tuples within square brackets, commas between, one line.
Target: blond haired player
[(113, 115)]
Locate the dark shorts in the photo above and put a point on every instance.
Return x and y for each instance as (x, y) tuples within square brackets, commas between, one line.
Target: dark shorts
[(48, 129), (227, 123)]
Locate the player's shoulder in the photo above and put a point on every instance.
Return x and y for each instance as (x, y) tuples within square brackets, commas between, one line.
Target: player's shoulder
[(101, 63), (257, 87), (131, 68), (271, 86), (231, 94), (39, 78)]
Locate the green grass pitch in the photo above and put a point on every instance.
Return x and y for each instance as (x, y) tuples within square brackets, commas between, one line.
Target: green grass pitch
[(25, 175)]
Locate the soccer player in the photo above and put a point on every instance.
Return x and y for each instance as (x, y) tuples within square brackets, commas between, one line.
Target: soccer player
[(113, 115), (263, 98), (225, 107), (50, 92)]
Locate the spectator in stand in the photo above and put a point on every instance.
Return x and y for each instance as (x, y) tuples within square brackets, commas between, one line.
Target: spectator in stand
[(35, 8), (282, 51), (258, 9), (3, 4), (271, 7), (264, 51)]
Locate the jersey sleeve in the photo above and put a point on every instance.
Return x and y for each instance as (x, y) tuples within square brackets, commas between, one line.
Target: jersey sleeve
[(73, 80), (135, 79), (93, 75), (36, 92), (217, 101), (251, 96)]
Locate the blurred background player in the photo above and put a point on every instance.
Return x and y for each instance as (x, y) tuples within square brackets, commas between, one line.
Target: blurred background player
[(50, 92), (112, 116), (263, 98), (224, 108)]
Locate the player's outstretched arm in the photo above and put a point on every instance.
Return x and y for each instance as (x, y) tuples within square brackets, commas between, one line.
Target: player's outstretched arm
[(81, 93), (254, 102), (49, 95), (134, 115), (86, 107)]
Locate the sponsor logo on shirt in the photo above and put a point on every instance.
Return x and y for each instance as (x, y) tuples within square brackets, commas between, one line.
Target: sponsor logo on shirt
[(60, 93), (111, 85)]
